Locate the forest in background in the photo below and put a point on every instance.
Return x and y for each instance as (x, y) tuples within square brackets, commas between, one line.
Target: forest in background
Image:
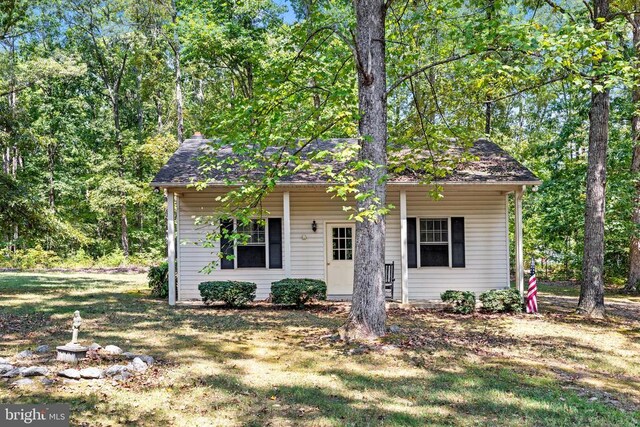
[(96, 94)]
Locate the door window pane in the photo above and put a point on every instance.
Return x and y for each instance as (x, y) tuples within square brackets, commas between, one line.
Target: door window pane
[(342, 243)]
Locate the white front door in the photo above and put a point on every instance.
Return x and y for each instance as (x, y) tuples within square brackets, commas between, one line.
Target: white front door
[(340, 244)]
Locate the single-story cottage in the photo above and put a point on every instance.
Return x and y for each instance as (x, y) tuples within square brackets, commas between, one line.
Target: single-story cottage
[(458, 242)]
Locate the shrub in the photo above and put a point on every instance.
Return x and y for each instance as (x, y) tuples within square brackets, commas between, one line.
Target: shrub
[(29, 259), (502, 301), (462, 302), (159, 280), (114, 259), (234, 294), (298, 291)]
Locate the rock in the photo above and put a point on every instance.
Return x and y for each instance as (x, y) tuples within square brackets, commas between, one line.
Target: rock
[(358, 350), (12, 373), (74, 374), (94, 347), (5, 367), (394, 329), (138, 365), (47, 381), (34, 371), (123, 376), (114, 370), (388, 347), (4, 361), (147, 359), (91, 373), (112, 349), (26, 354), (43, 349), (128, 355), (23, 382)]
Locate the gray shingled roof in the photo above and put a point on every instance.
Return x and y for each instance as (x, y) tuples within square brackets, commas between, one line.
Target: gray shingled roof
[(492, 165)]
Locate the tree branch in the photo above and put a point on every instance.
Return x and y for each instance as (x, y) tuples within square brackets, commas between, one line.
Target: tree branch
[(528, 88), (425, 68)]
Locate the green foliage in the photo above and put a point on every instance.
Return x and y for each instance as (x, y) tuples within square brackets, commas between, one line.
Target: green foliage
[(298, 291), (159, 280), (234, 294), (462, 302), (28, 259), (502, 301)]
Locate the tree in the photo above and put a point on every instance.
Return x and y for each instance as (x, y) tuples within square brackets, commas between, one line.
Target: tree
[(110, 52), (367, 316), (591, 301), (633, 279)]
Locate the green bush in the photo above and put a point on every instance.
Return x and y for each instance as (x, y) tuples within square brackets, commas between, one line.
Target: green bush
[(461, 302), (159, 280), (298, 291), (28, 259), (114, 259), (502, 301), (234, 294)]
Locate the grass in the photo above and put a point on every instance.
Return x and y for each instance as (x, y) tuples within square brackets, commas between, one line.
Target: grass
[(265, 366)]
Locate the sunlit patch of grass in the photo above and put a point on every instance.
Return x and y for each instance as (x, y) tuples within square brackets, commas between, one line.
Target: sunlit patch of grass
[(267, 366)]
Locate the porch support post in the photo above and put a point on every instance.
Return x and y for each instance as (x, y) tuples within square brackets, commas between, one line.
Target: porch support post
[(519, 267), (171, 249), (287, 234), (404, 262)]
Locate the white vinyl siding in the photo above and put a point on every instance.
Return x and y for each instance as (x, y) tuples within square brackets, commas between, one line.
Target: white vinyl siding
[(485, 222), (486, 250)]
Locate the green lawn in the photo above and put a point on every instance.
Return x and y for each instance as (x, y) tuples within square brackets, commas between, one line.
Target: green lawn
[(265, 366)]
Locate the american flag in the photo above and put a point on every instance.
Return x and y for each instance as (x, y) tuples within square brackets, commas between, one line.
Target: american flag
[(532, 293)]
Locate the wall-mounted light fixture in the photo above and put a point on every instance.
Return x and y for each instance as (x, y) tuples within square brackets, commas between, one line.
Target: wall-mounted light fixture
[(314, 226)]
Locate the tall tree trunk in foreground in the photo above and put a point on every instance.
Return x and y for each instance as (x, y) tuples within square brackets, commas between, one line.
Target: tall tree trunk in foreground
[(633, 282), (592, 292), (367, 316)]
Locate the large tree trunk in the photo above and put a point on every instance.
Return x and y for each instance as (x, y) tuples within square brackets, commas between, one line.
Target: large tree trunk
[(367, 316), (633, 282), (592, 291)]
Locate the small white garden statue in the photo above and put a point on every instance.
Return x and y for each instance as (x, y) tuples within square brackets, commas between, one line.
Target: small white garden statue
[(72, 351), (77, 321)]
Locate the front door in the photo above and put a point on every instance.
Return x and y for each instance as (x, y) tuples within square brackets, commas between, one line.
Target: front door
[(340, 243)]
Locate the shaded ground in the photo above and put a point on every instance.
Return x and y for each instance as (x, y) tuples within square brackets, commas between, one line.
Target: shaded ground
[(266, 366)]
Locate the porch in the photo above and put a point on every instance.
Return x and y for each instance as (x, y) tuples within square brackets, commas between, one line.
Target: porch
[(306, 251)]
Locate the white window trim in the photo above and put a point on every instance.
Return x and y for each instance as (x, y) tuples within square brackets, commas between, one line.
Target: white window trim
[(266, 246), (419, 232)]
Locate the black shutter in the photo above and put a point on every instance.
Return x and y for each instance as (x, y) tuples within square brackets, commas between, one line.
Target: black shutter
[(275, 243), (226, 244), (412, 243), (457, 242)]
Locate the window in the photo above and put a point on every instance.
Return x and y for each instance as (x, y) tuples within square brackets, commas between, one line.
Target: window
[(252, 248), (342, 243), (259, 246), (434, 242)]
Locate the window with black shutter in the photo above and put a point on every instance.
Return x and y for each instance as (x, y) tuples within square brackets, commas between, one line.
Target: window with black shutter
[(457, 242), (412, 243), (275, 243), (226, 244), (250, 250)]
